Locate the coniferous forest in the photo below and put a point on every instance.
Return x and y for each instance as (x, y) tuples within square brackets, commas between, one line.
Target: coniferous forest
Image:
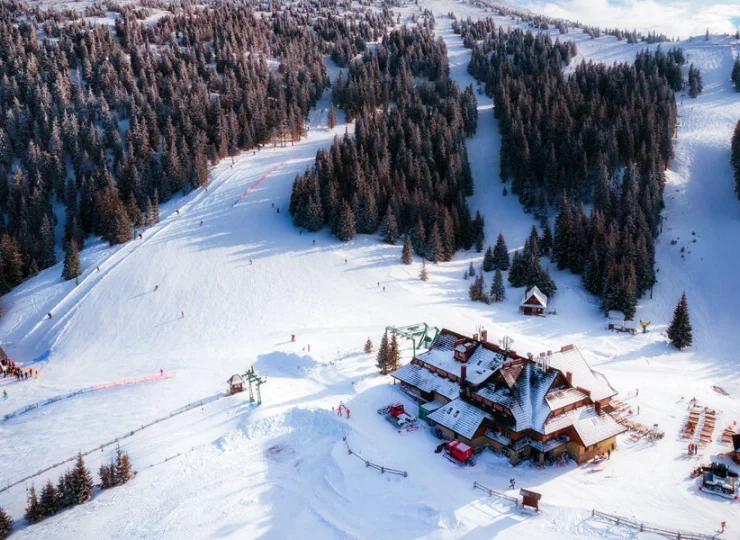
[(111, 122), (406, 168), (600, 136)]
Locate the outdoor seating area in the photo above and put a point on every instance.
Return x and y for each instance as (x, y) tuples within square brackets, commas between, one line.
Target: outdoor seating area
[(727, 434), (700, 424), (622, 413)]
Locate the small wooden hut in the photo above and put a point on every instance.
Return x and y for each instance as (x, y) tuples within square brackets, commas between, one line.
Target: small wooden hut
[(534, 302), (236, 384)]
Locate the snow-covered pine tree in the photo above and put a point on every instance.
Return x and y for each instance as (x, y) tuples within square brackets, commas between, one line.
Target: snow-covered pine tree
[(49, 504), (382, 359), (394, 355), (65, 493), (423, 272), (123, 467), (368, 346), (736, 73), (6, 524), (332, 117), (82, 482), (107, 473), (488, 260), (680, 332), (517, 273), (434, 245), (407, 253), (498, 289), (33, 507), (695, 82), (71, 261), (501, 259), (345, 229), (546, 242)]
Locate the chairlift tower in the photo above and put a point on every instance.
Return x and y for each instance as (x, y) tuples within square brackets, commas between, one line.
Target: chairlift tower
[(253, 378)]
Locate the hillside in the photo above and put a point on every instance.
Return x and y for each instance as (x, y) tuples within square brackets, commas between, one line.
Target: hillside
[(222, 282)]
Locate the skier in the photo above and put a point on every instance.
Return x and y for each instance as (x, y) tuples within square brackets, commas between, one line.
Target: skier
[(378, 284), (183, 314), (314, 242), (140, 236), (383, 288), (292, 337), (637, 391), (5, 394), (37, 373), (512, 483), (638, 409), (97, 268), (273, 205), (156, 287), (723, 525), (300, 233), (345, 261), (346, 409), (49, 314), (309, 348), (278, 210), (250, 261), (161, 372), (201, 223), (177, 212)]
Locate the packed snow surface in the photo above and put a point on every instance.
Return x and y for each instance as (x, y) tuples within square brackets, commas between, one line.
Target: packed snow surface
[(230, 292)]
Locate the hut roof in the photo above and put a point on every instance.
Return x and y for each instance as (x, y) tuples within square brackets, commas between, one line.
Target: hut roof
[(534, 297), (235, 379), (570, 359)]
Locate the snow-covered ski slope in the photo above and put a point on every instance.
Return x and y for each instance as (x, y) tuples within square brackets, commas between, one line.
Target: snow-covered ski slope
[(281, 470)]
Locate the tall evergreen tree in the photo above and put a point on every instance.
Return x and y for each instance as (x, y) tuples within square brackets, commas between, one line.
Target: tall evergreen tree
[(332, 117), (406, 254), (498, 289), (33, 507), (501, 259), (489, 262), (6, 524), (394, 354), (345, 229), (82, 482), (390, 227), (49, 504), (382, 358), (123, 466), (71, 262), (680, 332)]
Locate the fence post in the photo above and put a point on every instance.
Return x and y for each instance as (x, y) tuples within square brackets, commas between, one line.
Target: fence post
[(593, 512)]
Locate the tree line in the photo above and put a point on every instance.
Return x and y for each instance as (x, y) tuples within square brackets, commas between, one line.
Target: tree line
[(602, 136), (405, 171), (113, 122)]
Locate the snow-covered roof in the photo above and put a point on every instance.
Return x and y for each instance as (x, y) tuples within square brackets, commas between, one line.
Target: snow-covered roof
[(571, 360), (538, 295), (569, 418), (558, 399), (235, 379), (461, 417), (479, 367), (427, 381), (526, 399), (598, 428)]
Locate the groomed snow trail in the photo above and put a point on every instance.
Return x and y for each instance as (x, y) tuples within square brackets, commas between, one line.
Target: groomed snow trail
[(280, 470)]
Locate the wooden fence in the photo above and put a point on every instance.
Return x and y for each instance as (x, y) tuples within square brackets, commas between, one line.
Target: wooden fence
[(374, 465), (190, 406), (493, 493), (645, 527)]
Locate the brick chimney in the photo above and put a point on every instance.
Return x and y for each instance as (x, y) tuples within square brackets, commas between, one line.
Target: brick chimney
[(475, 337), (569, 377), (484, 336)]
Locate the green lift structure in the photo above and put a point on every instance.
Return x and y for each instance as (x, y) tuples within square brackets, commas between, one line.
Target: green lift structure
[(421, 335), (252, 378)]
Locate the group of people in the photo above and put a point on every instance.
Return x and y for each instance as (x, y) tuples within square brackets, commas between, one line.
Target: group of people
[(693, 449), (8, 367), (342, 407)]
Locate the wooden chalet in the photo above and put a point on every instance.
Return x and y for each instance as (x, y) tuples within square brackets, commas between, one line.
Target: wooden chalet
[(534, 302), (236, 384), (522, 406)]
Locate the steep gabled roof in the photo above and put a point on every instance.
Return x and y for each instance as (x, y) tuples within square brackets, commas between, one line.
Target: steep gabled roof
[(479, 367), (540, 298), (557, 399), (570, 359), (460, 417), (235, 379)]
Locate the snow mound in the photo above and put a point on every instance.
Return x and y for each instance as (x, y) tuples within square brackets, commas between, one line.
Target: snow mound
[(282, 364)]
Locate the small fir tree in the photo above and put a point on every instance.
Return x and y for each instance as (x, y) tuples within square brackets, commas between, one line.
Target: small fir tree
[(332, 117), (382, 359), (394, 355), (407, 253), (680, 332), (33, 507), (390, 228), (471, 269), (65, 492), (82, 482), (71, 261), (489, 263), (49, 497), (123, 467), (501, 259), (6, 524), (107, 473), (368, 346), (498, 289), (423, 272)]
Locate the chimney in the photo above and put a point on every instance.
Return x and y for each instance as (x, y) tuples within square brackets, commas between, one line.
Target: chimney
[(569, 377), (484, 336), (475, 337), (598, 407), (463, 373)]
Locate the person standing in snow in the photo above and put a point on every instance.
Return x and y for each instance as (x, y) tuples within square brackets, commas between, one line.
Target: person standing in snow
[(5, 394), (183, 314), (347, 409), (156, 287), (49, 314), (161, 372), (512, 483)]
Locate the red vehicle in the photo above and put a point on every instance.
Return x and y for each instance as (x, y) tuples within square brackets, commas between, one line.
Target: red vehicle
[(397, 415), (457, 452)]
